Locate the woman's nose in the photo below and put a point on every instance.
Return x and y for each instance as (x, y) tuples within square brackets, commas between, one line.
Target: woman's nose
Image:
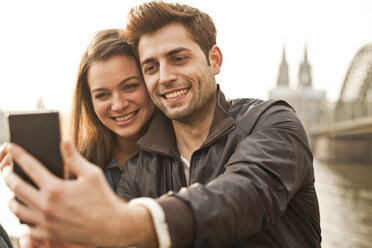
[(119, 102)]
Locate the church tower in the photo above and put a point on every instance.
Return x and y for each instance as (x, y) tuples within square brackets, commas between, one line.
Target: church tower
[(308, 102), (304, 75), (283, 78)]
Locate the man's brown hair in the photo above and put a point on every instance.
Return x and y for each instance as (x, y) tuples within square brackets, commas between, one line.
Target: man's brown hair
[(150, 17)]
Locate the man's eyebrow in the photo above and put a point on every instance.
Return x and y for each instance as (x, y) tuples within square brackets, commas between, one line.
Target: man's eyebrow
[(147, 61), (170, 53), (177, 50)]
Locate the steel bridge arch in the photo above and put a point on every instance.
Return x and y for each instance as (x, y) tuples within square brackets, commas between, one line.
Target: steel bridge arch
[(355, 100)]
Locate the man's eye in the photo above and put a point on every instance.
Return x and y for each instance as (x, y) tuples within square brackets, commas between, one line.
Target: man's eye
[(150, 68), (178, 59)]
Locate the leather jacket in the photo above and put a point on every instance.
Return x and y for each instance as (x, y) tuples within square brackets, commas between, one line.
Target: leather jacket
[(251, 181)]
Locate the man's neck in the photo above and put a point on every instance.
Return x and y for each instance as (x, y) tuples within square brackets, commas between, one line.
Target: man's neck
[(191, 135)]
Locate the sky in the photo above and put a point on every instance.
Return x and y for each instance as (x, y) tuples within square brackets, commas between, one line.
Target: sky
[(42, 41)]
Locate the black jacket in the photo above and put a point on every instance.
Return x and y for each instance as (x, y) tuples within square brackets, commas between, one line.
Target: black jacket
[(4, 239), (252, 179)]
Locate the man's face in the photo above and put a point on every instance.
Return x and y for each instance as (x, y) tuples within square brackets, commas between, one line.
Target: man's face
[(177, 74)]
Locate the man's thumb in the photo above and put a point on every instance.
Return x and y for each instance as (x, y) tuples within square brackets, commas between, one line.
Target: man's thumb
[(74, 161)]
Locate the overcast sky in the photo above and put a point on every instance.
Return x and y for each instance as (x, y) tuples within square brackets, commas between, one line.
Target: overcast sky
[(41, 43)]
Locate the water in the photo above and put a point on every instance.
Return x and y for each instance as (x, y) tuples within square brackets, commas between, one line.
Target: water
[(345, 198)]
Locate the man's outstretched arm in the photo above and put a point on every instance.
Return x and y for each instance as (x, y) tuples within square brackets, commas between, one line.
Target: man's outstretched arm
[(83, 211)]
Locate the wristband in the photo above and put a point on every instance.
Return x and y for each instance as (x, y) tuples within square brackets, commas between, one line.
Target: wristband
[(158, 217)]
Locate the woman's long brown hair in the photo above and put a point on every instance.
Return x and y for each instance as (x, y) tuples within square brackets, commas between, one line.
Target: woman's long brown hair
[(93, 140)]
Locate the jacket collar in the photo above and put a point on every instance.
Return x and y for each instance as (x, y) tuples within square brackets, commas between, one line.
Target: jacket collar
[(160, 135)]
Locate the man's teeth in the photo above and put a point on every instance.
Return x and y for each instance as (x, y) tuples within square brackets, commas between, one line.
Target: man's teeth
[(125, 117), (176, 93)]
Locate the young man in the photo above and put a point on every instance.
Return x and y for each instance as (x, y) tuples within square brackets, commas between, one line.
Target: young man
[(240, 172), (247, 161)]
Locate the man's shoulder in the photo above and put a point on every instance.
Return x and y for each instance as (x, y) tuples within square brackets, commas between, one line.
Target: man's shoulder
[(256, 114), (255, 106)]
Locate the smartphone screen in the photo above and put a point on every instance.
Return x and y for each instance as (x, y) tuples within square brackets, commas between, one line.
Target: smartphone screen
[(39, 134)]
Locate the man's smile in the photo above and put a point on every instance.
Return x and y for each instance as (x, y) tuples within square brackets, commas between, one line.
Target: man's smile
[(176, 94)]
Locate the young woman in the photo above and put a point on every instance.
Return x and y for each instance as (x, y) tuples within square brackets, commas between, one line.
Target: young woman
[(110, 110), (111, 105)]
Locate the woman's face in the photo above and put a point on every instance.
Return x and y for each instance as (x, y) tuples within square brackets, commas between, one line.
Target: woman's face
[(119, 96)]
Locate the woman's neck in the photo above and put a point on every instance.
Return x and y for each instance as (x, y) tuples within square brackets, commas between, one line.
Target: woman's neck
[(123, 150)]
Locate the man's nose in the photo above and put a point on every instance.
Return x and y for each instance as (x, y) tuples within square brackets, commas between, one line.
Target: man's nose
[(167, 74)]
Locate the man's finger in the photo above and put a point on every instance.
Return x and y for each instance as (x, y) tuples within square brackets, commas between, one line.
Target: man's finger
[(4, 153), (38, 173), (25, 241), (24, 191), (3, 150), (77, 164), (23, 212), (6, 160), (39, 233)]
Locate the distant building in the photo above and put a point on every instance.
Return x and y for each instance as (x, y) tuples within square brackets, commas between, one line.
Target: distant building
[(3, 128), (283, 78), (40, 104), (310, 104), (4, 125)]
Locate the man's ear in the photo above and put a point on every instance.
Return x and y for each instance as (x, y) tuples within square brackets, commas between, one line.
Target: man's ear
[(215, 59)]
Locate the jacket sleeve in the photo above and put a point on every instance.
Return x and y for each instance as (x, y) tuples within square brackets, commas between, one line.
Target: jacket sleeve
[(263, 173)]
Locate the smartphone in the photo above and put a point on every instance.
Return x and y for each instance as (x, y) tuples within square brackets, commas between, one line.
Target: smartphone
[(39, 134)]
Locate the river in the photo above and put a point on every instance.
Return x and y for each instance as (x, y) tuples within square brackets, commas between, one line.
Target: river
[(345, 198)]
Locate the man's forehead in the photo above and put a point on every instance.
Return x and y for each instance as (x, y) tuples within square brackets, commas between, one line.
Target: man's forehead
[(163, 40)]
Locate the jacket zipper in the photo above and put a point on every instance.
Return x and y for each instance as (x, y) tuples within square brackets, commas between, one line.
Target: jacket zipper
[(195, 153)]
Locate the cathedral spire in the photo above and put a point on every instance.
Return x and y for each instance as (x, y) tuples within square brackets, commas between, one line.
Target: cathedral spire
[(283, 78), (304, 75)]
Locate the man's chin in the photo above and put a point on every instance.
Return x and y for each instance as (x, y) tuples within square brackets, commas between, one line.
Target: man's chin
[(181, 115)]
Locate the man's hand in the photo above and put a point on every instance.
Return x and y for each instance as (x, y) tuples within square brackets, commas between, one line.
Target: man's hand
[(26, 241), (5, 157), (82, 211)]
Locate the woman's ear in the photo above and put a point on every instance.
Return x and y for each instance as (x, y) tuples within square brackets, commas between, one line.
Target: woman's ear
[(215, 59)]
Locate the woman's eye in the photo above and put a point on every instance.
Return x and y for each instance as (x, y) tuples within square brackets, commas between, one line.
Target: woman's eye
[(101, 96), (130, 86)]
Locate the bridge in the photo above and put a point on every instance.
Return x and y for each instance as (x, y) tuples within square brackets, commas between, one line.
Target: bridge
[(346, 134)]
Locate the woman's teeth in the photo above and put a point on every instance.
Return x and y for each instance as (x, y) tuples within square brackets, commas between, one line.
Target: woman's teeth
[(125, 117)]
